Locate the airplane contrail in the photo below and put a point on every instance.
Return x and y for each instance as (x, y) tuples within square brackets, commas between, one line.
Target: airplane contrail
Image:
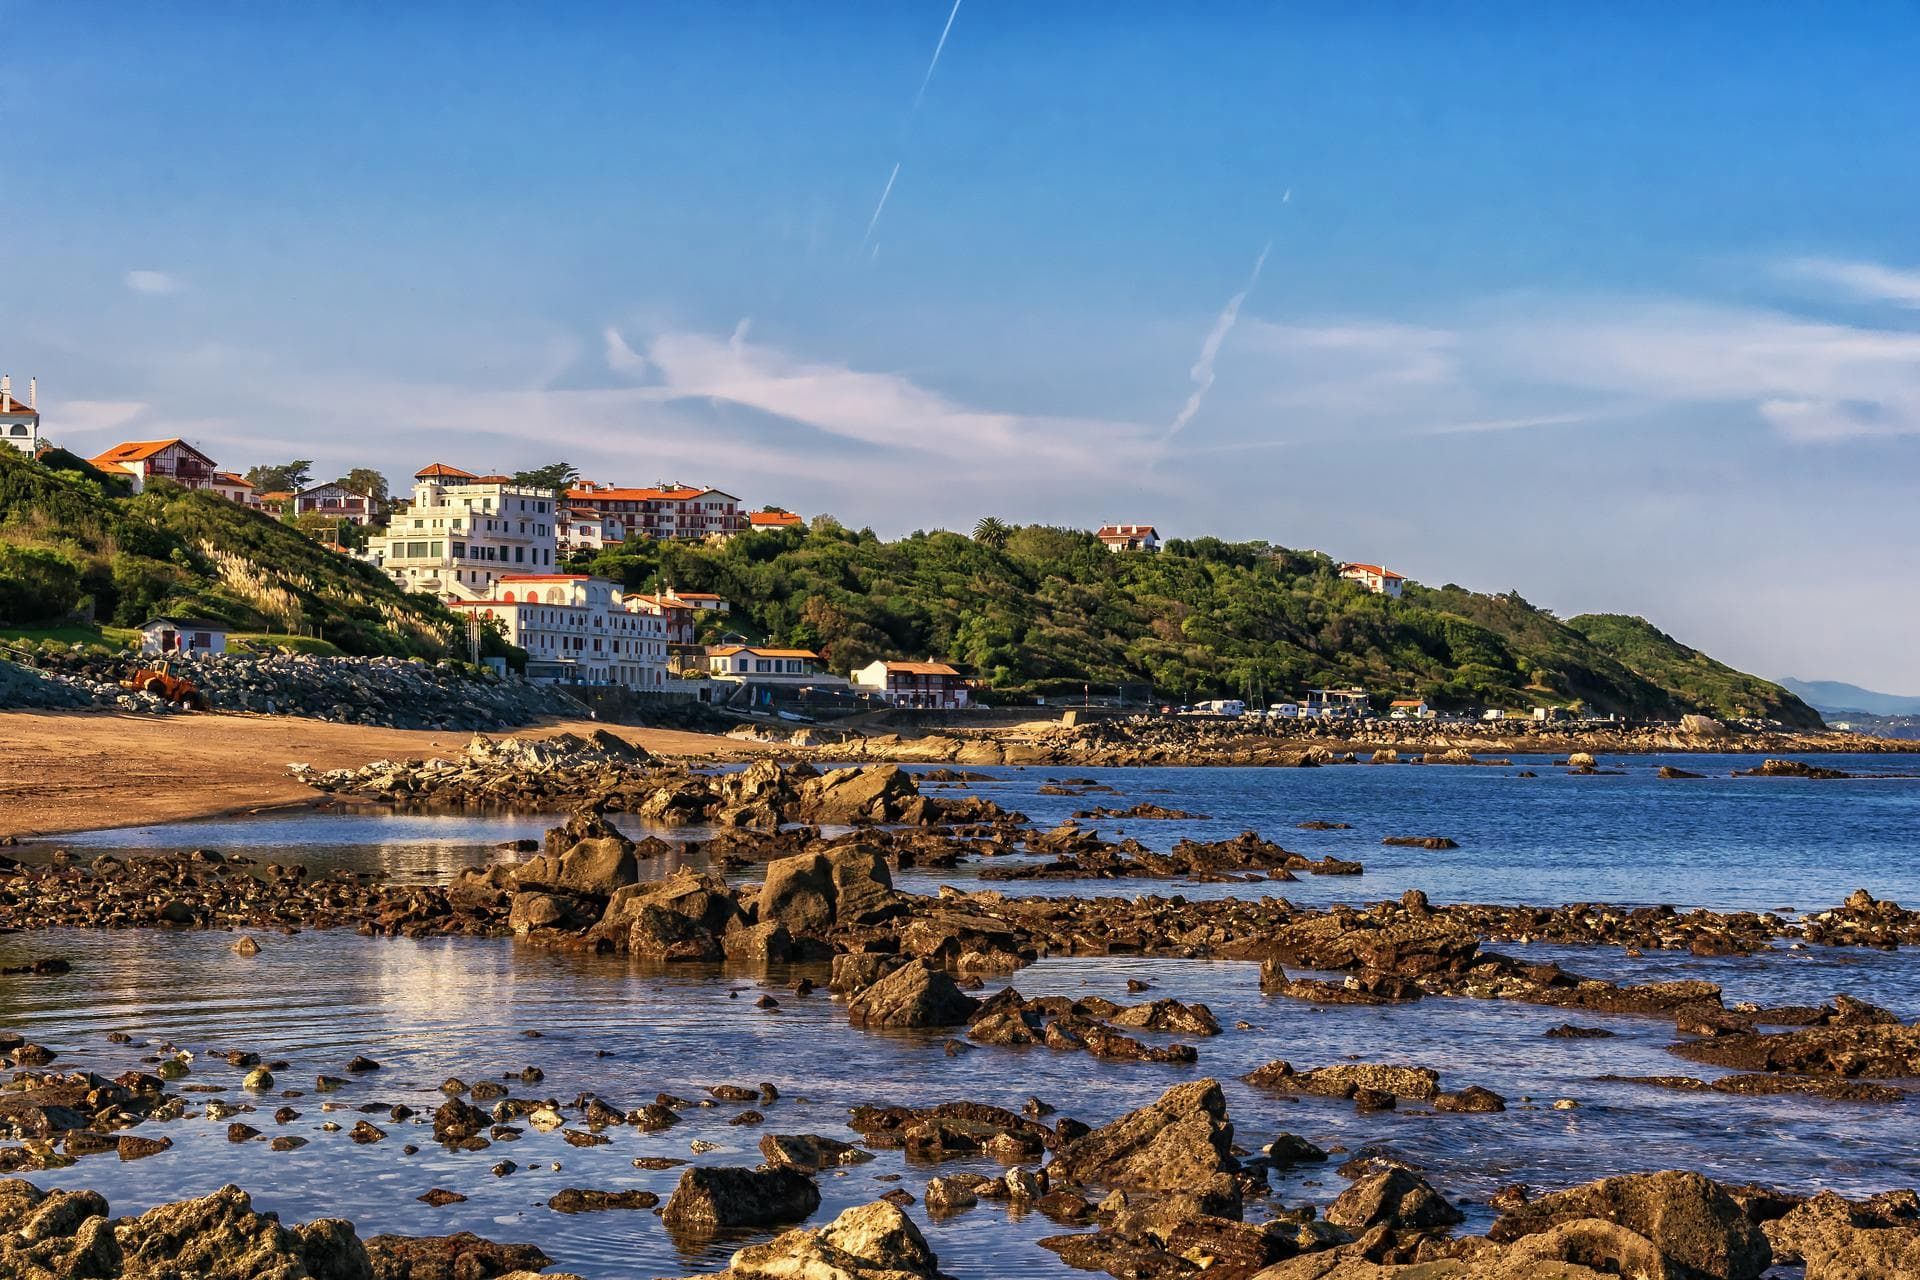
[(1202, 371), (874, 221), (928, 78)]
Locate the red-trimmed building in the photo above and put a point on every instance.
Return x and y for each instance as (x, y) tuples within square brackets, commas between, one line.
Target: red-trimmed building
[(774, 520), (144, 460), (1375, 578), (670, 510), (576, 629), (1129, 537), (915, 684)]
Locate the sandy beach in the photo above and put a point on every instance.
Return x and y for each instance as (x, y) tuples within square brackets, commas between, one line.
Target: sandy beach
[(82, 771)]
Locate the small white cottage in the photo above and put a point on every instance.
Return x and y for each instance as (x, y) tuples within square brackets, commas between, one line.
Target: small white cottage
[(164, 636)]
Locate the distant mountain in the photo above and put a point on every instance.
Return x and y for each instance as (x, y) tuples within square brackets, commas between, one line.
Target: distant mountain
[(1832, 697)]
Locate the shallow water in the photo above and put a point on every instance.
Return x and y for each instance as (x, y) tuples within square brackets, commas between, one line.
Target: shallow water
[(430, 1009)]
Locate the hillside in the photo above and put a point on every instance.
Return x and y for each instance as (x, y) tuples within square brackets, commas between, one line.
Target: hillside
[(1049, 611), (1837, 698), (1657, 656), (69, 543)]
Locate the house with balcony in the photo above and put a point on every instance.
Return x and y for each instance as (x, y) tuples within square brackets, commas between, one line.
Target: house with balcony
[(334, 501), (461, 533), (1129, 537), (669, 510), (235, 488), (142, 461), (757, 664), (927, 685), (576, 629)]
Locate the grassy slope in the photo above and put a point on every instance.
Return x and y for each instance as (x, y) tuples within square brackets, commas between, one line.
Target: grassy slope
[(1644, 648), (1053, 610), (171, 551)]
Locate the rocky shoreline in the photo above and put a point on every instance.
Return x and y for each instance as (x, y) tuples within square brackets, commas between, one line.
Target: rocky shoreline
[(1161, 1192)]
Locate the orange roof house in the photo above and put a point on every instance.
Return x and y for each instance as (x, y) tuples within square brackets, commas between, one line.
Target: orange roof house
[(773, 520), (144, 460)]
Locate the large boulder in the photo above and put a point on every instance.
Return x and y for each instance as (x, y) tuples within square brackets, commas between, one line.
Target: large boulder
[(918, 994), (812, 892), (1397, 1198), (1181, 1143), (715, 1199), (869, 1242), (586, 855), (877, 793), (1838, 1240), (1694, 1223)]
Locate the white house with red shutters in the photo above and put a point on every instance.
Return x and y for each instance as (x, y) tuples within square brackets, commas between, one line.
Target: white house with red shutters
[(1375, 578), (145, 460)]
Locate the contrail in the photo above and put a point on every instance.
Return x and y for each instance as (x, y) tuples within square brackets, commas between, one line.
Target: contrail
[(874, 221), (1202, 371), (928, 78)]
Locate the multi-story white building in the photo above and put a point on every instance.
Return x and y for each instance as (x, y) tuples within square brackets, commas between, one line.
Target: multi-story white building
[(585, 529), (462, 533), (669, 510), (1375, 578), (20, 423), (576, 630)]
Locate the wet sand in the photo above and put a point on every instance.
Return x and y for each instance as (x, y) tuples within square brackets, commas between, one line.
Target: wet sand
[(65, 771)]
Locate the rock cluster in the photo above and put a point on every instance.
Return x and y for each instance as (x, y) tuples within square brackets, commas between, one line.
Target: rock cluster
[(67, 1235), (398, 693)]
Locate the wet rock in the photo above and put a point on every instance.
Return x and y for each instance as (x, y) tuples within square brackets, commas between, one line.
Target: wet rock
[(1181, 1142), (809, 1152), (918, 994), (580, 1200), (870, 1242), (814, 892), (1692, 1221), (1343, 1080), (463, 1256), (721, 1198), (1395, 1198), (1873, 1050), (1878, 1239)]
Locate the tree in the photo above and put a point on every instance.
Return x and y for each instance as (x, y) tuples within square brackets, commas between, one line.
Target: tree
[(555, 475), (992, 531), (366, 482), (287, 477)]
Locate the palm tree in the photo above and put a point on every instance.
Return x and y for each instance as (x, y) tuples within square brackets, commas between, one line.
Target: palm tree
[(991, 531)]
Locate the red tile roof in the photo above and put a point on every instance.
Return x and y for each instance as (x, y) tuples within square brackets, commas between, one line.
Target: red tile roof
[(441, 471), (1374, 569), (921, 669), (774, 519), (728, 650), (141, 450)]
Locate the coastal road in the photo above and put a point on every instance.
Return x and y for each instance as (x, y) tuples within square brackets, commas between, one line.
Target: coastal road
[(65, 771)]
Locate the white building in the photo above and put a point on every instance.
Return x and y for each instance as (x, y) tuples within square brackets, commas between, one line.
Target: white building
[(1375, 578), (20, 423), (1129, 537), (754, 664), (583, 529), (462, 533), (334, 501), (143, 460), (182, 635), (668, 510), (915, 684), (576, 630)]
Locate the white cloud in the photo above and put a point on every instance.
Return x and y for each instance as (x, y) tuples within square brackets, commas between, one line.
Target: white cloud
[(153, 282), (83, 417), (1873, 281), (622, 358), (1551, 362)]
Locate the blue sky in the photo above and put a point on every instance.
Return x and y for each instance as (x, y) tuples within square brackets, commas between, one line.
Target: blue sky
[(1616, 306)]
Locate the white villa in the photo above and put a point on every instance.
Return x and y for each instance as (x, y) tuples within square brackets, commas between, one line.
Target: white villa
[(576, 629), (463, 533), (1375, 578), (20, 422)]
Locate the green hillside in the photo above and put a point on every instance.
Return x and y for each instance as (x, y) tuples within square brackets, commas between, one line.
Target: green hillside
[(72, 545), (1652, 653), (1039, 610)]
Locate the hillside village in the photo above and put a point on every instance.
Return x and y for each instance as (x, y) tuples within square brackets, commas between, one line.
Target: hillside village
[(572, 581)]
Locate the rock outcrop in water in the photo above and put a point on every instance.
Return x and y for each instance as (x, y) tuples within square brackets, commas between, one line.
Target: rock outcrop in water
[(67, 1235), (870, 1242)]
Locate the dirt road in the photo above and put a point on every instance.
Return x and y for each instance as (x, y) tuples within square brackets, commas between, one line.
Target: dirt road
[(63, 771)]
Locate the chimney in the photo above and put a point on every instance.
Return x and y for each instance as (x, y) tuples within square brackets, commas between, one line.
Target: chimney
[(6, 393), (33, 394)]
